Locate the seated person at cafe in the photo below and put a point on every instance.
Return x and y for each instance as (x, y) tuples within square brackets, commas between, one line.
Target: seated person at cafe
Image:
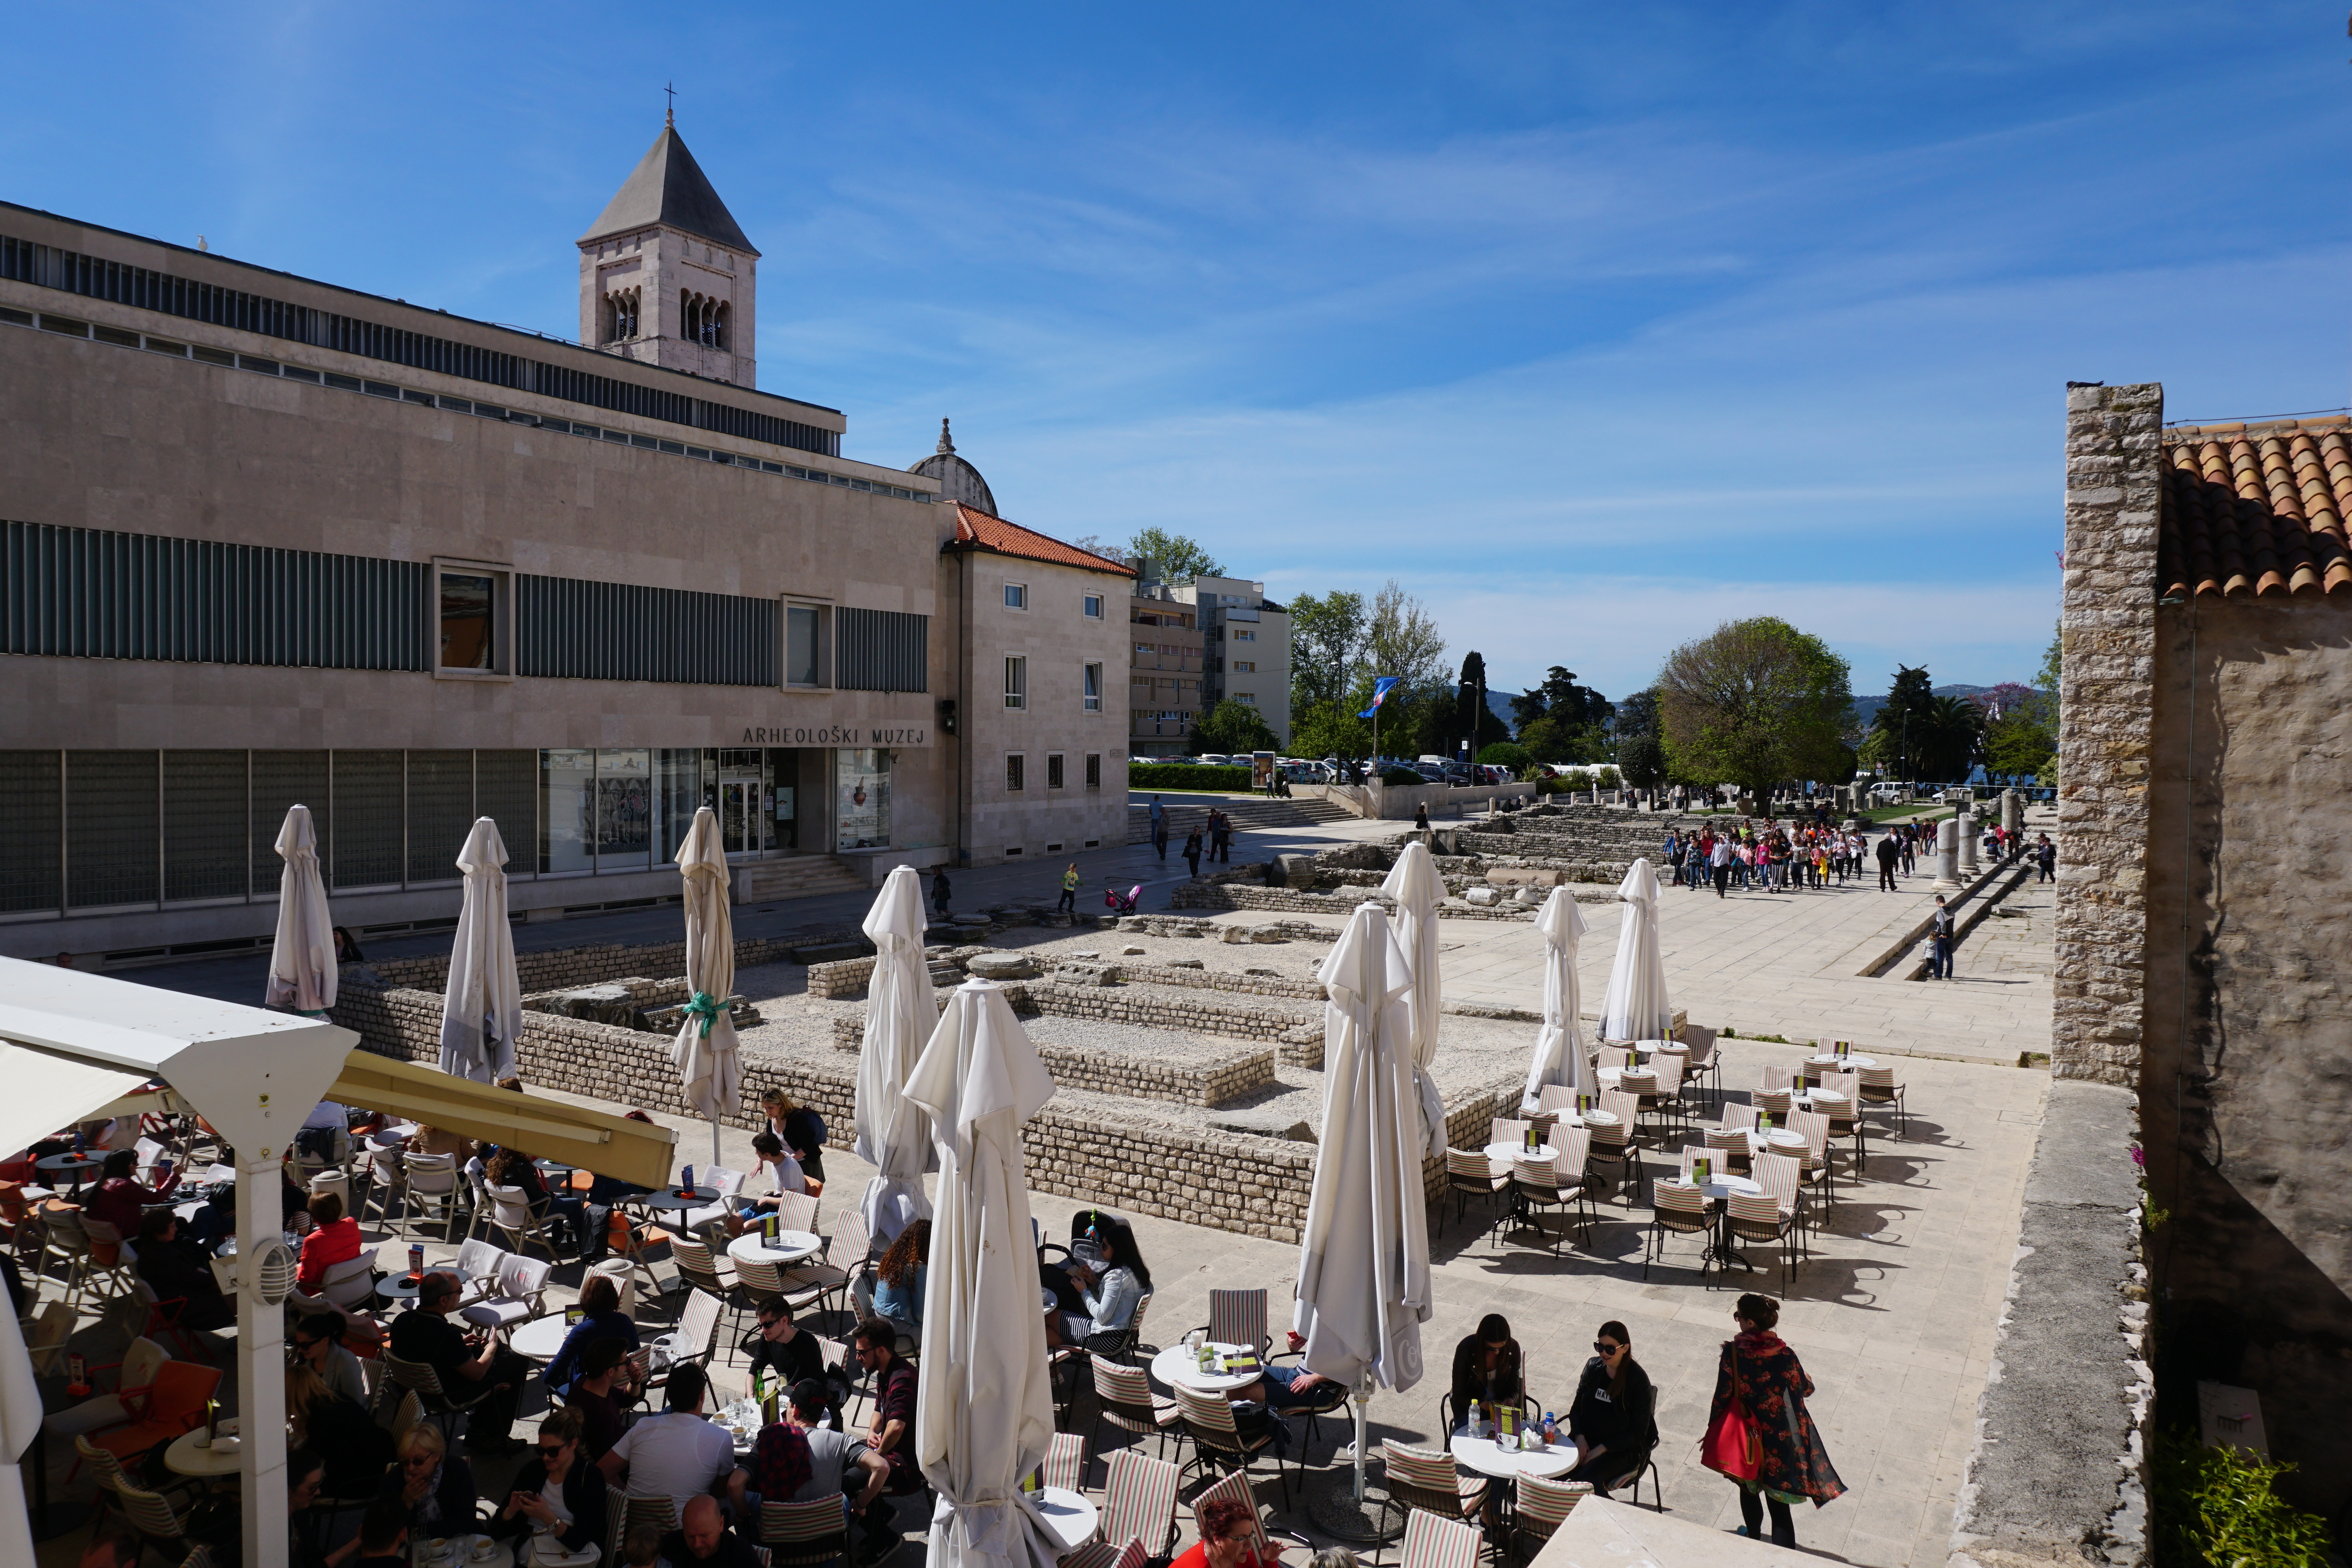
[(832, 1454), (783, 1176), (352, 1448), (601, 1393), (317, 1339), (383, 1535), (1486, 1367), (177, 1272), (1109, 1288), (802, 1131), (558, 1493), (1612, 1421), (599, 1318), (335, 1239), (1229, 1532), (891, 1432), (677, 1454), (780, 1347), (900, 1279), (512, 1167), (216, 1222), (465, 1363), (433, 1487), (118, 1199), (703, 1540)]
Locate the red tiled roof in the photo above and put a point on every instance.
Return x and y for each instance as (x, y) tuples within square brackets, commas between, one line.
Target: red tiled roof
[(977, 529), (2257, 510)]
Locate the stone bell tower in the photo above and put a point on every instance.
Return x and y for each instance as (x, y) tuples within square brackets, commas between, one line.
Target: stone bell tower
[(666, 276)]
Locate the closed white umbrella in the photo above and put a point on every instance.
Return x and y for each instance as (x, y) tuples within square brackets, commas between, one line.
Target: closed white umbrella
[(709, 1070), (1560, 1043), (20, 1426), (1635, 1007), (985, 1413), (302, 959), (481, 1012), (1417, 890), (894, 1135), (1363, 1258)]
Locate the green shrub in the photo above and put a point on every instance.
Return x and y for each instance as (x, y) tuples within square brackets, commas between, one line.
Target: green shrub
[(2217, 1505), (1394, 776), (1185, 776), (1507, 753)]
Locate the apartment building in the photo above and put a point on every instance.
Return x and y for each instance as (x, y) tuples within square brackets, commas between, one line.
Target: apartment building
[(1164, 670)]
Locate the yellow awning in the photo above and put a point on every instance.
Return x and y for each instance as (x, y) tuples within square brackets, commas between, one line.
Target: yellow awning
[(591, 1138)]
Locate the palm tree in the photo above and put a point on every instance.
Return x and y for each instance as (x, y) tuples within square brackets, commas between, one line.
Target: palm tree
[(1954, 736)]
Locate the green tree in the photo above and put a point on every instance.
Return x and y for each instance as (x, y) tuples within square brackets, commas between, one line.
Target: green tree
[(1954, 736), (1327, 649), (1554, 739), (1642, 760), (1330, 729), (1229, 727), (2018, 744), (2054, 662), (1402, 640), (1637, 715), (1907, 721), (1527, 707), (1174, 556), (1757, 703)]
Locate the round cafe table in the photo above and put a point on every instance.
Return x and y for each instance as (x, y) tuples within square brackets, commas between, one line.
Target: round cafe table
[(1840, 1061), (1480, 1454), (541, 1338), (184, 1459), (789, 1247), (1505, 1152), (1068, 1515), (1778, 1141), (669, 1200), (70, 1164), (1177, 1364), (1586, 1119), (475, 1552), (1717, 1190), (401, 1287)]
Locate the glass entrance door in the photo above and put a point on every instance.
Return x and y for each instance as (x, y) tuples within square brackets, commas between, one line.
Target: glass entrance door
[(741, 820)]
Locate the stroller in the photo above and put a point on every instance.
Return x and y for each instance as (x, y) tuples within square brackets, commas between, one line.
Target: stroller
[(1119, 903)]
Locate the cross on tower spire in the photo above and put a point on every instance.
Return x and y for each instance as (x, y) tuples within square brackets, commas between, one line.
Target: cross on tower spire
[(669, 119)]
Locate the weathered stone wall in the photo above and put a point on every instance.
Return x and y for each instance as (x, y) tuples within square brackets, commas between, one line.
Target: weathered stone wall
[(2248, 929), (2107, 631), (1216, 1080), (844, 979), (556, 968)]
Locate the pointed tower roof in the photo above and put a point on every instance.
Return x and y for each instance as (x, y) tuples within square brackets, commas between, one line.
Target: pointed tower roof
[(667, 186)]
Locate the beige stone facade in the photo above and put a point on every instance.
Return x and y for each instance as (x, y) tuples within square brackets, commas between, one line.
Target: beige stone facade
[(1246, 648), (239, 507), (666, 277)]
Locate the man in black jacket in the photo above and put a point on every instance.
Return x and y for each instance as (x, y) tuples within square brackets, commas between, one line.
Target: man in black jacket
[(1890, 851), (466, 1363)]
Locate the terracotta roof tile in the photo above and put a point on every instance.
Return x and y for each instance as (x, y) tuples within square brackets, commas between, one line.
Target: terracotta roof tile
[(2257, 509), (975, 529)]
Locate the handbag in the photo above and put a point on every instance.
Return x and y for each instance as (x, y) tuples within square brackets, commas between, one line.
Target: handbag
[(1732, 1446)]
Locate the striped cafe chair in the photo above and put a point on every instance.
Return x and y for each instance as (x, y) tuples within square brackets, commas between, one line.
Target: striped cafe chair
[(1678, 1211), (1236, 1486), (1544, 1506), (1846, 1113), (1123, 1398), (1729, 1146), (1103, 1555), (1614, 1158), (1431, 1541), (1536, 1186), (1238, 1317), (1470, 1173), (1814, 1128), (1065, 1462), (1218, 1445), (1430, 1483), (1139, 1502), (803, 1534), (1880, 1089)]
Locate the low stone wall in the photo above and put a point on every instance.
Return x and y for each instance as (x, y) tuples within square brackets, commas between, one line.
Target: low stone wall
[(844, 979), (1218, 1079), (1133, 971), (2059, 1473), (559, 968), (1292, 900), (1228, 1181), (1109, 1004)]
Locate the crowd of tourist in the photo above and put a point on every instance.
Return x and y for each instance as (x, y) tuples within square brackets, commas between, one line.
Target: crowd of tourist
[(1776, 857)]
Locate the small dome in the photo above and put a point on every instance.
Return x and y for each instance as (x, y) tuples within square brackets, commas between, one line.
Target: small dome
[(959, 480)]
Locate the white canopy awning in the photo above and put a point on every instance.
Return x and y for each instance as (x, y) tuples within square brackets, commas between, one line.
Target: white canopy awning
[(47, 1091)]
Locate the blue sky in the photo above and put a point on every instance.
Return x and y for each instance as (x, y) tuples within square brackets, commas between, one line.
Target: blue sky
[(1593, 325)]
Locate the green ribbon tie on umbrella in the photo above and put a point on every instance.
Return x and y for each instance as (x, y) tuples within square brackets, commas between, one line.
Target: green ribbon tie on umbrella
[(706, 1007)]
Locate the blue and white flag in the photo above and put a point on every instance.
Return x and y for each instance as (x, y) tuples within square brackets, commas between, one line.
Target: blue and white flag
[(1381, 686)]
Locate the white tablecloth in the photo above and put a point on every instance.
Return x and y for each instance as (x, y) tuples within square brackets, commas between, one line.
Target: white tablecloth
[(1480, 1454), (1177, 1364), (541, 1338), (1068, 1515), (792, 1247), (1542, 1153)]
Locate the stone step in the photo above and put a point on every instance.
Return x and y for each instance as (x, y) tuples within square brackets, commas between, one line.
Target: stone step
[(1249, 814)]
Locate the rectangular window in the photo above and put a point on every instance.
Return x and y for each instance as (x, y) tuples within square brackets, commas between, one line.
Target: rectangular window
[(1016, 768), (1054, 770), (1094, 607), (368, 787), (111, 828), (1143, 680), (567, 810), (1016, 596), (30, 865), (625, 809), (1245, 667), (804, 645), (468, 631), (440, 813), (1249, 697), (1241, 636), (1016, 682), (1094, 770), (1094, 688), (203, 824), (283, 780)]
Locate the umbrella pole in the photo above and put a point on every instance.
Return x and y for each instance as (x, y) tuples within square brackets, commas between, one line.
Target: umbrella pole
[(1363, 1404), (714, 1140)]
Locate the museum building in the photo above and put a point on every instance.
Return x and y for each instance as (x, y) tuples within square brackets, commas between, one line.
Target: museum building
[(267, 540)]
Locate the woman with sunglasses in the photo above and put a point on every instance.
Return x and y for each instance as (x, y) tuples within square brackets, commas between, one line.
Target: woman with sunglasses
[(1612, 1422), (557, 1493), (435, 1485)]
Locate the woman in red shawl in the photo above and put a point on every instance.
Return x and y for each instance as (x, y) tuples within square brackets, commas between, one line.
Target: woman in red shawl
[(1762, 1373)]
